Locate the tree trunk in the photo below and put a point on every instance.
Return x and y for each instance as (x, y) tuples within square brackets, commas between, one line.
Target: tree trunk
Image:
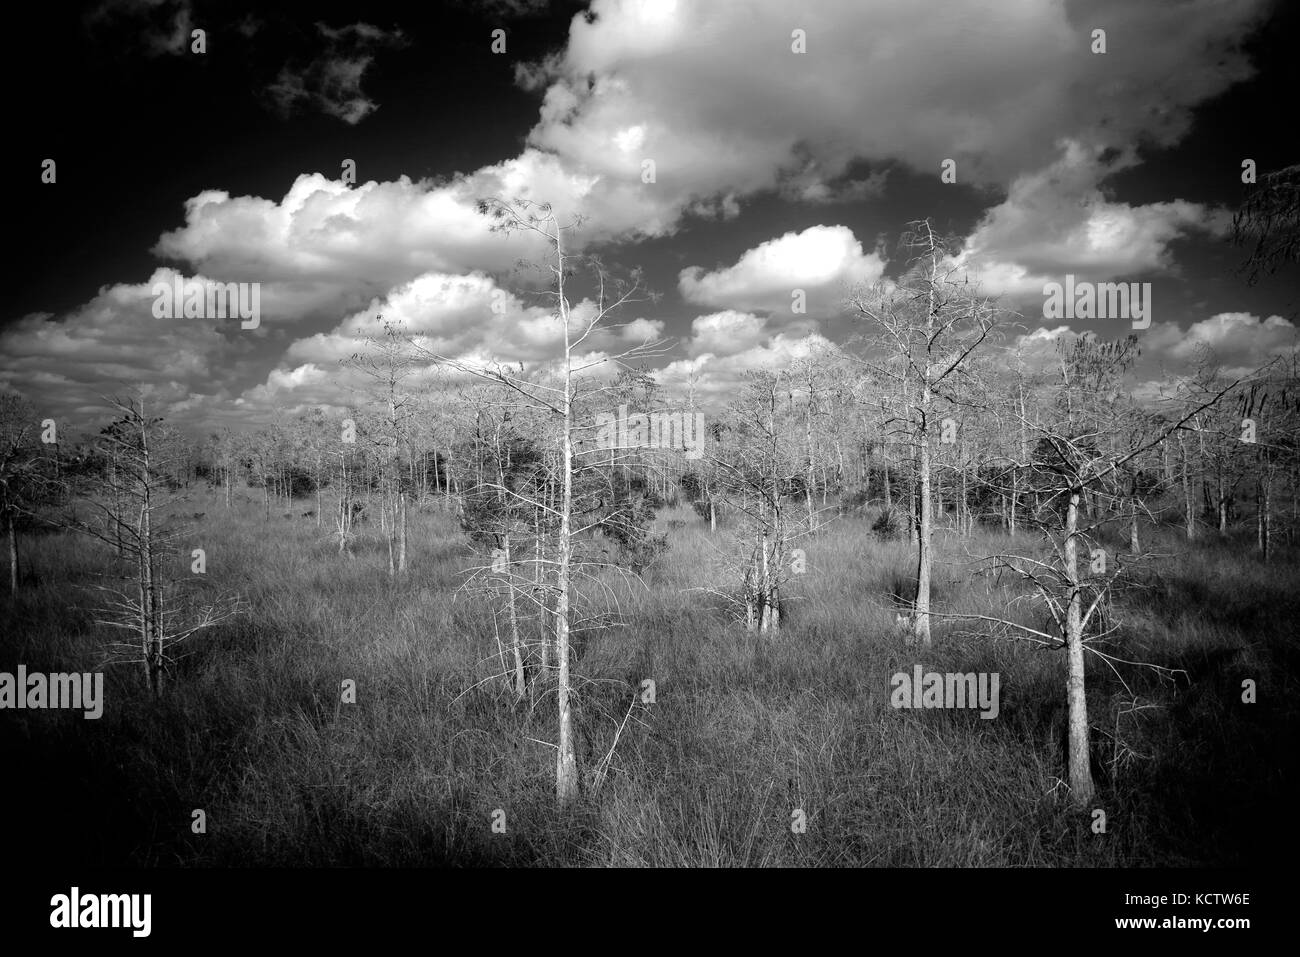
[(566, 762), (1262, 509), (889, 493), (516, 645), (1081, 785), (150, 603), (964, 507), (539, 593), (808, 441), (401, 534), (345, 521), (13, 551), (1134, 546), (913, 526), (921, 626), (1222, 506), (389, 530)]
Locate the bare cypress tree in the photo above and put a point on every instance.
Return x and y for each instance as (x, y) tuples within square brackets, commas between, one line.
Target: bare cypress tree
[(1270, 416), (388, 362), (758, 477), (152, 603), (558, 400), (22, 473), (1080, 449), (930, 323)]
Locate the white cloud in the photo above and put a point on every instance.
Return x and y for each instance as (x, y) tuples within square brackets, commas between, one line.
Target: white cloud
[(1235, 343), (376, 233), (718, 378), (711, 92), (1238, 342), (725, 106), (642, 330), (1058, 220), (113, 342), (822, 261), (725, 333)]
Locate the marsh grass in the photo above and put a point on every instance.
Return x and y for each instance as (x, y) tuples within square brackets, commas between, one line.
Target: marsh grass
[(744, 730)]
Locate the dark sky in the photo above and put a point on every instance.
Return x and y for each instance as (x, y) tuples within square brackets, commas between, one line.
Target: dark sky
[(135, 135)]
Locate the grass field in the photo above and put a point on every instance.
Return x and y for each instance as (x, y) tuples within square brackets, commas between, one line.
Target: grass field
[(744, 729)]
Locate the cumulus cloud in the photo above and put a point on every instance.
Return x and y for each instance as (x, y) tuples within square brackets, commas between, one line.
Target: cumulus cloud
[(1236, 342), (712, 93), (467, 318), (114, 341), (821, 260), (642, 330), (379, 233), (1058, 220), (717, 378), (725, 333), (722, 104), (450, 315)]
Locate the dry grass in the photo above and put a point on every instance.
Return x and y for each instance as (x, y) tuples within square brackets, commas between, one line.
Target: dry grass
[(744, 731)]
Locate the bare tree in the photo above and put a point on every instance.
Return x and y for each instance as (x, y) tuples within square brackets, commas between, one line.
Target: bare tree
[(151, 603), (931, 322), (21, 472), (1080, 449), (558, 400), (758, 475), (389, 363)]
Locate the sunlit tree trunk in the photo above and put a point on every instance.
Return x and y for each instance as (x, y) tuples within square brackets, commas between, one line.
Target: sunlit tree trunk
[(566, 764), (1081, 784)]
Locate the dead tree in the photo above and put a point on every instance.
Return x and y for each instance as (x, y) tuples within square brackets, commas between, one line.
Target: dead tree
[(1078, 450), (922, 331), (557, 399), (388, 362), (22, 477), (151, 602)]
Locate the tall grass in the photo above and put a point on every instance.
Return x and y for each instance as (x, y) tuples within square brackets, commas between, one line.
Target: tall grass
[(744, 731)]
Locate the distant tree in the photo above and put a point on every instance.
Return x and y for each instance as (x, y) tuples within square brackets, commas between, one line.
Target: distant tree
[(388, 362), (760, 476), (23, 478), (150, 603)]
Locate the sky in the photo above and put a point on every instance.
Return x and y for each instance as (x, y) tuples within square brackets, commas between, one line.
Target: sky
[(791, 145)]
